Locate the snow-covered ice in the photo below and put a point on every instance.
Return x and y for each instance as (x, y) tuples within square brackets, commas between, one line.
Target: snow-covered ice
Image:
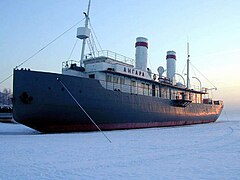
[(206, 151)]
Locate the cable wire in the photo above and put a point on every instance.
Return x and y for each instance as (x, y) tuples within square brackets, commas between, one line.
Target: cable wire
[(44, 47), (79, 105), (73, 49), (204, 76), (95, 35), (183, 69)]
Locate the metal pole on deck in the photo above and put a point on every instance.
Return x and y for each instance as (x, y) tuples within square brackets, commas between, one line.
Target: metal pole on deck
[(188, 56), (84, 40)]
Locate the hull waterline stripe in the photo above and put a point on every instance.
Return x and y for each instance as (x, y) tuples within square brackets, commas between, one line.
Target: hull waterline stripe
[(82, 108), (117, 126)]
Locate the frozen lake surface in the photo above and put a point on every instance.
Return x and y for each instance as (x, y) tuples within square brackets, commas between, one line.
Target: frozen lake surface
[(206, 151)]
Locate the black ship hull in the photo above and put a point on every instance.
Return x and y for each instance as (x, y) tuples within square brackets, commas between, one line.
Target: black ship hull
[(41, 102)]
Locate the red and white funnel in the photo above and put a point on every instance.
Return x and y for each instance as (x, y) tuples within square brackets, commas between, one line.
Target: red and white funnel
[(141, 53), (171, 64)]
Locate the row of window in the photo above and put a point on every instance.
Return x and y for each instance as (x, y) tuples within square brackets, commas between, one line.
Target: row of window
[(115, 79), (148, 89)]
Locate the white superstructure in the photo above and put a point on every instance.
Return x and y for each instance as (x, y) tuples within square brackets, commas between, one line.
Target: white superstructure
[(117, 72)]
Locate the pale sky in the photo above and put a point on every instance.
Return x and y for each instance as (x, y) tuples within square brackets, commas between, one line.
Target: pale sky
[(212, 28)]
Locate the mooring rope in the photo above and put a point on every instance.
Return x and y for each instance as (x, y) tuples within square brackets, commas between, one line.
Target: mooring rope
[(64, 86)]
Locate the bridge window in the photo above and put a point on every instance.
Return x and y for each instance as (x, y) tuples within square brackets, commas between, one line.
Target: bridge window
[(122, 80), (115, 79), (109, 78)]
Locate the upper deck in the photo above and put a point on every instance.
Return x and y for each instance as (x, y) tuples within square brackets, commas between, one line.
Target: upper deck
[(105, 61), (117, 72)]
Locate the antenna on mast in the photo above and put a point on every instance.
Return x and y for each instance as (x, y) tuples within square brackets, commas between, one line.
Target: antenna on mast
[(84, 33), (188, 56)]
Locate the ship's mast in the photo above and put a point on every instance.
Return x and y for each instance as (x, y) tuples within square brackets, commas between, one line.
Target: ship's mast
[(188, 56), (84, 33)]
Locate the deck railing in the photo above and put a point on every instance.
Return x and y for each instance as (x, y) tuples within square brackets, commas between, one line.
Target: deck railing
[(111, 55), (103, 53), (69, 63)]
